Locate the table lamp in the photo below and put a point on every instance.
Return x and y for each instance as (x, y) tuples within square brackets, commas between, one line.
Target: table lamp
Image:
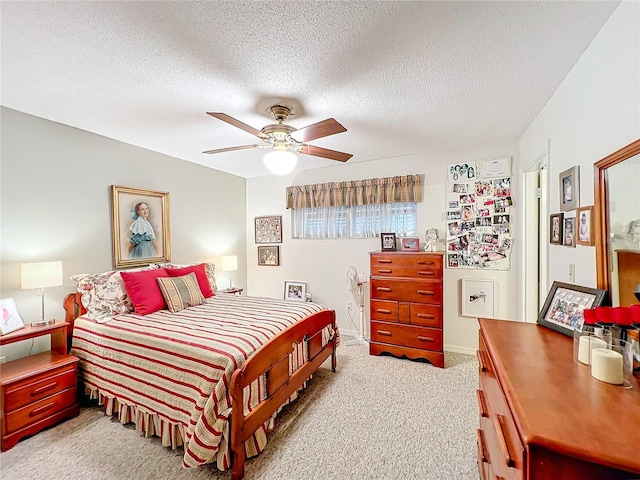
[(229, 264), (41, 275)]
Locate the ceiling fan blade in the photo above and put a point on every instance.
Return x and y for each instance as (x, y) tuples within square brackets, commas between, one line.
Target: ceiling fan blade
[(325, 153), (237, 123), (327, 127), (230, 149)]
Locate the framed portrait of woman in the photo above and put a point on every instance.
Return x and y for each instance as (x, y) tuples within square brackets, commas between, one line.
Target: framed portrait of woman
[(140, 226)]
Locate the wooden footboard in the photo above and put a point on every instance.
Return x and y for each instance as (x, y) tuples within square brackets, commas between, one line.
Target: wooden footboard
[(272, 360)]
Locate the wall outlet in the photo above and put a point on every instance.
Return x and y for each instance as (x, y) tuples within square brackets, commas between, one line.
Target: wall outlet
[(349, 306)]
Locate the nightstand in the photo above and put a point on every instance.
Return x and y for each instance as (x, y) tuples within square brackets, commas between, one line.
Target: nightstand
[(232, 290), (40, 390)]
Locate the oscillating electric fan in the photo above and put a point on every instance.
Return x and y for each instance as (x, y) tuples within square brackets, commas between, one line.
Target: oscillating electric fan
[(354, 285)]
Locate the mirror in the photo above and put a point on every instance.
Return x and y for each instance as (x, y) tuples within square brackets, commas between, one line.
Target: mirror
[(617, 223)]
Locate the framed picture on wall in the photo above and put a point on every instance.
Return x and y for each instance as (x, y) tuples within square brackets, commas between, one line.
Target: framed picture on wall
[(139, 226), (584, 227), (570, 189), (569, 234), (478, 298), (269, 229), (269, 255), (556, 224)]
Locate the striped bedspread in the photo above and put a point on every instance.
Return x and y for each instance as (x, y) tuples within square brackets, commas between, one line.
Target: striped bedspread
[(169, 372)]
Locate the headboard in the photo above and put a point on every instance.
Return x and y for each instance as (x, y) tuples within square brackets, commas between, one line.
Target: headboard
[(73, 309)]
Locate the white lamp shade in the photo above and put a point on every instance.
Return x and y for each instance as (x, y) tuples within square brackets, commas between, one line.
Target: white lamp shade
[(41, 274), (229, 263), (280, 162)]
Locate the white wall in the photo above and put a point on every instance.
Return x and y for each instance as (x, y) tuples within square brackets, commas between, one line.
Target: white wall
[(594, 112), (323, 263), (55, 206)]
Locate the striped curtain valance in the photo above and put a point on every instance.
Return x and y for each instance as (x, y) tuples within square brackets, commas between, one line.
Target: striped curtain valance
[(407, 188)]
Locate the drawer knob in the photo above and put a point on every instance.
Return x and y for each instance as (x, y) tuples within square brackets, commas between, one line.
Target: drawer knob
[(423, 262), (382, 310), (426, 339), (383, 289), (43, 408), (384, 261), (385, 270), (425, 315), (44, 388), (425, 272), (426, 292), (384, 333), (481, 364)]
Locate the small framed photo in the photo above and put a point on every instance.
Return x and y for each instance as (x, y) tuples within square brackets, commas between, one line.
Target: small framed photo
[(296, 291), (569, 234), (584, 228), (556, 224), (410, 244), (269, 255), (478, 298), (388, 241), (563, 311), (269, 229), (11, 320), (570, 189)]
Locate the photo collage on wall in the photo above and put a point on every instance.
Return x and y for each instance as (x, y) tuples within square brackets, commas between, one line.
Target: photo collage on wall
[(478, 215)]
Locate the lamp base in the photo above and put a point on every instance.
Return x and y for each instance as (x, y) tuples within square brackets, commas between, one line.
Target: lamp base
[(42, 323)]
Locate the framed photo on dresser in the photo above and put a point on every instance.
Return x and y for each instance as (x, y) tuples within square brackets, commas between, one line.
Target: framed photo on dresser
[(388, 242)]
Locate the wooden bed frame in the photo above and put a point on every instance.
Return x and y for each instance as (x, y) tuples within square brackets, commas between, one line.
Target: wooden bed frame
[(271, 360)]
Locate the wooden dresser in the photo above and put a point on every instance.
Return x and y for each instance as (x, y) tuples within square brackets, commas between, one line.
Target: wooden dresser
[(40, 390), (406, 305), (542, 415)]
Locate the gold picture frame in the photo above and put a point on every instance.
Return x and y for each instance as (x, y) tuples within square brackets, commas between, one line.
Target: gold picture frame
[(140, 235)]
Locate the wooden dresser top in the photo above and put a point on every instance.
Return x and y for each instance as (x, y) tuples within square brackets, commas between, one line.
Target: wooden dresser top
[(555, 401)]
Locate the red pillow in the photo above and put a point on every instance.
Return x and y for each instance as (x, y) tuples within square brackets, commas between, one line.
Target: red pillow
[(144, 291), (201, 276)]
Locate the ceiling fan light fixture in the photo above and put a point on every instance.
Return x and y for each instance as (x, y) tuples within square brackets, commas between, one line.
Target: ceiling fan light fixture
[(280, 162)]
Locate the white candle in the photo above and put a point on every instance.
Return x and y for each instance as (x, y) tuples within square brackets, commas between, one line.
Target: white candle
[(606, 365), (588, 343)]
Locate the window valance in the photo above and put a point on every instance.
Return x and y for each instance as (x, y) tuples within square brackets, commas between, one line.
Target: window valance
[(407, 188)]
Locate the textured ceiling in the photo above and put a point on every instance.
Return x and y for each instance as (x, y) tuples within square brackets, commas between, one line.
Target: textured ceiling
[(402, 77)]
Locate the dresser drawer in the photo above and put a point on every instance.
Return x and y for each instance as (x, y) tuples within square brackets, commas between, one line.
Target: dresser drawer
[(425, 315), (415, 260), (420, 291), (39, 410), (501, 434), (407, 335), (48, 383), (411, 272), (385, 310)]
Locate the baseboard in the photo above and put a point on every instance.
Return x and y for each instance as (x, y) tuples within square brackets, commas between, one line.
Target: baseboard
[(463, 350)]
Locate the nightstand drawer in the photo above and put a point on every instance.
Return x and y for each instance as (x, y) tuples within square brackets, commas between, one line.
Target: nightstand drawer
[(37, 411), (40, 386), (407, 335)]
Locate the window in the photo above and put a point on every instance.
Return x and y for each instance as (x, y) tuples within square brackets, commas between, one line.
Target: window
[(358, 221)]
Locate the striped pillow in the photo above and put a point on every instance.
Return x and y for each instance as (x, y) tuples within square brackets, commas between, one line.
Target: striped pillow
[(181, 292)]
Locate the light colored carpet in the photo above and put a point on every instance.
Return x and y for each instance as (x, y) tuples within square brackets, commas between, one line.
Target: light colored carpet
[(375, 418)]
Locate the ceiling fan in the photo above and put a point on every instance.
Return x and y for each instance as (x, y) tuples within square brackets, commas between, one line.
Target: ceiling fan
[(284, 139)]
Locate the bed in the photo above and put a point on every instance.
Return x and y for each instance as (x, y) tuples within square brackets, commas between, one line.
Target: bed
[(179, 376)]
